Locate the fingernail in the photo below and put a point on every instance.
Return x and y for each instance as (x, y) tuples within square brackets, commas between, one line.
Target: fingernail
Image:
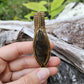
[(43, 74)]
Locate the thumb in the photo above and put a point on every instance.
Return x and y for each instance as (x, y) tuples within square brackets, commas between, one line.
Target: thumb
[(36, 77)]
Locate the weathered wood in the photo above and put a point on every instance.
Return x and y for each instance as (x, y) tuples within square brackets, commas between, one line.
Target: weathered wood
[(58, 33), (73, 54)]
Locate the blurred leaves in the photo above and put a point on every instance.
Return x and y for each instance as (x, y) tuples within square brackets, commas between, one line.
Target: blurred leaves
[(74, 0), (55, 4), (11, 8), (43, 2), (15, 10), (36, 6), (56, 7), (29, 15), (54, 13)]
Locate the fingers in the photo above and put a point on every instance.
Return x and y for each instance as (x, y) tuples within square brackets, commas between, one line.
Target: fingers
[(54, 61), (2, 65), (30, 62), (23, 62), (6, 75), (0, 82), (53, 70), (52, 45), (14, 50), (36, 77), (19, 74), (44, 82)]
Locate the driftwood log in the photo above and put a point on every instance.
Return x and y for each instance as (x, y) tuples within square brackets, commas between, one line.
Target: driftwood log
[(68, 36)]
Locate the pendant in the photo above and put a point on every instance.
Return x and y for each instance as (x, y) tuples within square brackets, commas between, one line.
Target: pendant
[(41, 44)]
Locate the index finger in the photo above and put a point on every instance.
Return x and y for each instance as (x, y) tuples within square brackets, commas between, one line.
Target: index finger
[(12, 51)]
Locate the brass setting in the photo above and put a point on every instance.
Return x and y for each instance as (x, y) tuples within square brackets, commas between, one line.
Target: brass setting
[(41, 44)]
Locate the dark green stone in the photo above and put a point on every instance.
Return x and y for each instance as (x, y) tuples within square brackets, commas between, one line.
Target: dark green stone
[(41, 48)]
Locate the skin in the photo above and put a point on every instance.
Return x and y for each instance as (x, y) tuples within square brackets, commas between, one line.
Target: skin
[(18, 68)]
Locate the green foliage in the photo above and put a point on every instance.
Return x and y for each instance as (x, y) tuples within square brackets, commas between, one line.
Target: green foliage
[(55, 4), (74, 0), (43, 2), (36, 6), (15, 10), (56, 7), (9, 9), (29, 14), (57, 11)]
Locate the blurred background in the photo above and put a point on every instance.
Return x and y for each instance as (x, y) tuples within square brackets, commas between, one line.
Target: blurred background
[(23, 9)]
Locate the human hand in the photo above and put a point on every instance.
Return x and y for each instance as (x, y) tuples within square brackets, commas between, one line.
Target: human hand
[(18, 68)]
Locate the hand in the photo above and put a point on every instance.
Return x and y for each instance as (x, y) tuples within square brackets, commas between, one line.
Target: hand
[(18, 68)]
